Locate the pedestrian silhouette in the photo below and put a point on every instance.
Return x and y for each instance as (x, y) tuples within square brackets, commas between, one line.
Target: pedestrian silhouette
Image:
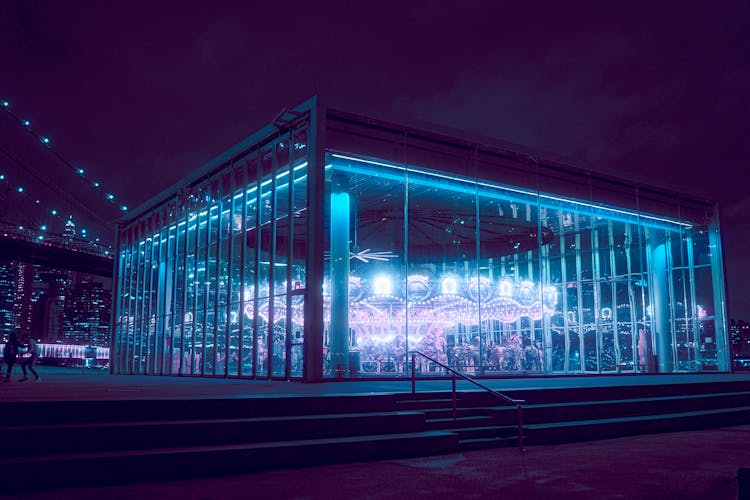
[(29, 360), (10, 351)]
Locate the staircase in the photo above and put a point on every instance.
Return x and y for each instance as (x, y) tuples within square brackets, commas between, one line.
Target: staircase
[(65, 443)]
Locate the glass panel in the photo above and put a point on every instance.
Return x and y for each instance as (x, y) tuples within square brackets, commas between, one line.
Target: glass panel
[(299, 208), (444, 286), (364, 295), (297, 340), (511, 290), (278, 347), (249, 292), (233, 358)]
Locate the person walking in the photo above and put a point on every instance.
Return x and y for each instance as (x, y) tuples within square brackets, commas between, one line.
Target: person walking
[(10, 351), (29, 360)]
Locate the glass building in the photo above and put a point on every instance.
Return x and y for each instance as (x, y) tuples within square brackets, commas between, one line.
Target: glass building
[(330, 245)]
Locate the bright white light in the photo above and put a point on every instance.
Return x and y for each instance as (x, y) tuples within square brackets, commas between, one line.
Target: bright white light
[(110, 196), (449, 285), (54, 212), (702, 313), (550, 296), (526, 293), (80, 171), (506, 288), (382, 285)]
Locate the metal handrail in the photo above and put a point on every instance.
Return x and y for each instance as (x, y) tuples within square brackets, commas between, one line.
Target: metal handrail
[(456, 373)]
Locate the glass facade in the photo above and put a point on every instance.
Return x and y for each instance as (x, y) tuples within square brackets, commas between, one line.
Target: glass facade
[(331, 248), (212, 283)]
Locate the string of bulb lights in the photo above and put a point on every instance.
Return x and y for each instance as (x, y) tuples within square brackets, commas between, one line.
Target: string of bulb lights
[(80, 172), (41, 229)]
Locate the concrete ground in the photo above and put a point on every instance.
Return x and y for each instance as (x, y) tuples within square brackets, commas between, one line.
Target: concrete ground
[(77, 384), (685, 465)]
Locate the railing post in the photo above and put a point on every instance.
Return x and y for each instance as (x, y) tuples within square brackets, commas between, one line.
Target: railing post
[(453, 378), (520, 427), (413, 375)]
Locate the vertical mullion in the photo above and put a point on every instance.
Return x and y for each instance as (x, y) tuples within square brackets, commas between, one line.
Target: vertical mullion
[(206, 286), (241, 286), (671, 297), (217, 266), (150, 287), (271, 266), (694, 328), (596, 277), (138, 325), (613, 287), (289, 258), (256, 263), (564, 293), (579, 291), (172, 314), (228, 286), (186, 218), (194, 308)]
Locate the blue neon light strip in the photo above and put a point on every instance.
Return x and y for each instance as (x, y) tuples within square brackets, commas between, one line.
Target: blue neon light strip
[(248, 191), (494, 191)]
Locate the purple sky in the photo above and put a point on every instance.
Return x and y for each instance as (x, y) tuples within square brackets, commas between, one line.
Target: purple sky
[(140, 94)]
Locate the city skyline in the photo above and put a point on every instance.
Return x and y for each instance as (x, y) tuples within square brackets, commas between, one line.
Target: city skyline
[(54, 305)]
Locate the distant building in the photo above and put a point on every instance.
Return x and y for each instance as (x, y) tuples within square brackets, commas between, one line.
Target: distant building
[(330, 245), (48, 303), (7, 295), (52, 287), (86, 316), (69, 233), (23, 297), (740, 338)]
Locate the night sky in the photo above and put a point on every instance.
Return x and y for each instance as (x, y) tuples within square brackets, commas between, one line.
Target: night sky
[(141, 94)]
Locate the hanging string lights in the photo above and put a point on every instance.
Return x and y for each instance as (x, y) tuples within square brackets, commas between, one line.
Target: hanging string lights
[(40, 231), (82, 173)]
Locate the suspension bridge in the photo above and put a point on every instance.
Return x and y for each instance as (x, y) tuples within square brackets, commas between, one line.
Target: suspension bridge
[(53, 212)]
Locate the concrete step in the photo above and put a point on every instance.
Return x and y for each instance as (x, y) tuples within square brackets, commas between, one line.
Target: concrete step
[(72, 412), (68, 438), (457, 423), (172, 463), (646, 388), (577, 410), (601, 428), (488, 442), (441, 413), (485, 432), (423, 404)]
